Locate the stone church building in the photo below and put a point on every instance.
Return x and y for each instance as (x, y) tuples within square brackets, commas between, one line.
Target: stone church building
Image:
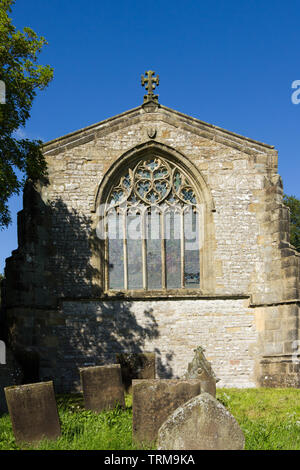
[(156, 232)]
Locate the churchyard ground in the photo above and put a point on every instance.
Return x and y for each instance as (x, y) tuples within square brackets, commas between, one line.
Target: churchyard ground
[(269, 418)]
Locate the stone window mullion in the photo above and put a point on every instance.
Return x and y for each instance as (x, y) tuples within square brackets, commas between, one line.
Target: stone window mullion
[(125, 255), (163, 250), (144, 248), (182, 247)]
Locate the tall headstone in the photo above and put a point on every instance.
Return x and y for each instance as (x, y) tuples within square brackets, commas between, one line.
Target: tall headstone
[(202, 423), (33, 412), (154, 400), (136, 366), (102, 387)]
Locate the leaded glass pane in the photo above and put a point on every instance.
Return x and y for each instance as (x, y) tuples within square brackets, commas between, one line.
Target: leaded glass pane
[(191, 249), (152, 164), (126, 182), (188, 195), (153, 243), (177, 180), (163, 173), (115, 251), (173, 250), (143, 187), (134, 251), (152, 197), (161, 187), (143, 174)]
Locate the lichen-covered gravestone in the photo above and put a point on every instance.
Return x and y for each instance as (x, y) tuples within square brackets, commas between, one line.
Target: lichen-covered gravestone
[(33, 412), (136, 366), (102, 387), (201, 369), (202, 423), (154, 400), (10, 374)]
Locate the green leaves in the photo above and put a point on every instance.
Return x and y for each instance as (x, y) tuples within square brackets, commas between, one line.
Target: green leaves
[(22, 75), (294, 205)]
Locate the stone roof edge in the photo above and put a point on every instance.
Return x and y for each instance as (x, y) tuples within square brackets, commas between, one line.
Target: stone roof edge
[(86, 133), (83, 130), (221, 129)]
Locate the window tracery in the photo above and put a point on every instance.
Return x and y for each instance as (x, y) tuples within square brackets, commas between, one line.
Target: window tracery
[(153, 229)]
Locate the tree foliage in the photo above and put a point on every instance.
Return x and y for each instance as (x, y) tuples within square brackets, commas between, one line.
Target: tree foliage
[(23, 76), (294, 204)]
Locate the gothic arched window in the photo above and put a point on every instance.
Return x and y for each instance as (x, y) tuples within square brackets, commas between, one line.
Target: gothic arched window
[(153, 229)]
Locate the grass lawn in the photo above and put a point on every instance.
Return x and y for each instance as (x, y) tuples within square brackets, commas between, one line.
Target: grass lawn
[(270, 419)]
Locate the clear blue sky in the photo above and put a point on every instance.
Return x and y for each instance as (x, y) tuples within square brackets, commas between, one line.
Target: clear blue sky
[(229, 63)]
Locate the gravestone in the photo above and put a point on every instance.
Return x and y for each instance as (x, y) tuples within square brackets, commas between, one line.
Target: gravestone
[(201, 369), (136, 366), (10, 374), (102, 387), (33, 412), (202, 423), (154, 400)]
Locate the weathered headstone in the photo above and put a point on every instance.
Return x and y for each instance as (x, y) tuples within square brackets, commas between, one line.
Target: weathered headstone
[(10, 374), (154, 400), (202, 423), (33, 412), (102, 387), (201, 369), (136, 366)]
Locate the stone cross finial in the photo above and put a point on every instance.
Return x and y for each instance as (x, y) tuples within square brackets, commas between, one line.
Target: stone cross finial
[(150, 82)]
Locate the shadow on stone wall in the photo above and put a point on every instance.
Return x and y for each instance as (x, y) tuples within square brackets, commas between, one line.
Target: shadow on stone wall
[(95, 331), (52, 298), (72, 244)]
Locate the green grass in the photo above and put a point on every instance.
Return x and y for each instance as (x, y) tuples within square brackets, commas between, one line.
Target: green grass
[(270, 419), (81, 429)]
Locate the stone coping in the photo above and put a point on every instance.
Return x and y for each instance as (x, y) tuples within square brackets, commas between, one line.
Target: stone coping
[(88, 133)]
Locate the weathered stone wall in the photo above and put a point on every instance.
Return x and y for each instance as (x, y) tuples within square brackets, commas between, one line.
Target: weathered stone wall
[(252, 266), (171, 328), (86, 333)]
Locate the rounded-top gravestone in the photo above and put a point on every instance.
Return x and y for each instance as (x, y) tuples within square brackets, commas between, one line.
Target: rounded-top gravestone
[(202, 423)]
